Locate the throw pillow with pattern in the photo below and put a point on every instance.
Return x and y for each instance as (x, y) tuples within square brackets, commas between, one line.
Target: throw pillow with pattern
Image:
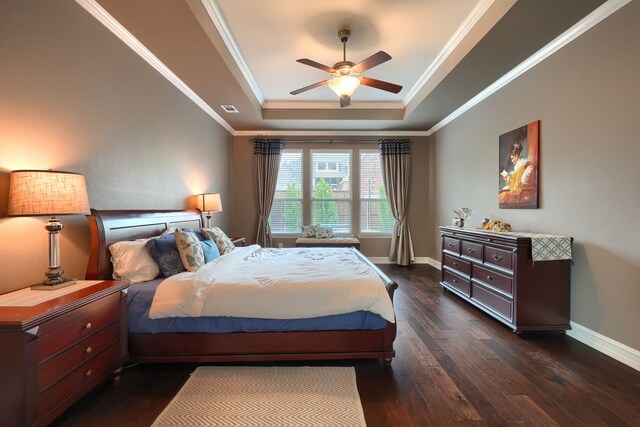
[(309, 231), (189, 249), (224, 243), (324, 232)]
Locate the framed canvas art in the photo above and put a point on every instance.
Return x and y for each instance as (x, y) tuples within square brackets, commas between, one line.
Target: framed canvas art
[(518, 167)]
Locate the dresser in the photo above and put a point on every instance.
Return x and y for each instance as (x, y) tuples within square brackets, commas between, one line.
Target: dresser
[(496, 272), (54, 351)]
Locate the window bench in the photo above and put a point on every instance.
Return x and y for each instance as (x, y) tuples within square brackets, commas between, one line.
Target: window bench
[(334, 242)]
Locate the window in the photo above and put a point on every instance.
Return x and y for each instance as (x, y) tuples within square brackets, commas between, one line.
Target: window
[(375, 213), (331, 189), (286, 211)]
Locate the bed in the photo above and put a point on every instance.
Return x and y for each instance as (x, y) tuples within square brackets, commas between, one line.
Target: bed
[(109, 226)]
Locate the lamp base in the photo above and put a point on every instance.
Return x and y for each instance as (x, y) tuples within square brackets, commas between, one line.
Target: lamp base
[(52, 287)]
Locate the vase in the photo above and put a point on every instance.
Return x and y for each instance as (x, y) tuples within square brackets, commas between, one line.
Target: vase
[(458, 222)]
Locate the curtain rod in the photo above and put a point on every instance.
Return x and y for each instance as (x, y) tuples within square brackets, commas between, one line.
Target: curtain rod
[(330, 141)]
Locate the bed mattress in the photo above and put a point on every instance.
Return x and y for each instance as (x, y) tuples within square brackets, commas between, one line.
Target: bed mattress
[(140, 296)]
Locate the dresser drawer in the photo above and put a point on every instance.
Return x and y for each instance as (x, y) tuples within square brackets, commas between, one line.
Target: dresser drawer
[(497, 256), (77, 329), (496, 303), (457, 264), (452, 245), (472, 250), (65, 362), (77, 379), (456, 282), (493, 279)]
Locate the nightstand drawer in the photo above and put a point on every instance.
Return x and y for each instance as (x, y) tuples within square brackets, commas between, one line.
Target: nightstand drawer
[(77, 329), (77, 379), (60, 365), (457, 264)]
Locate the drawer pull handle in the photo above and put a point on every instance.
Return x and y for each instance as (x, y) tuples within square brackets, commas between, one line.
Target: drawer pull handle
[(455, 263), (450, 245), (455, 281), (89, 373), (470, 250), (489, 278), (497, 258), (88, 350), (87, 326)]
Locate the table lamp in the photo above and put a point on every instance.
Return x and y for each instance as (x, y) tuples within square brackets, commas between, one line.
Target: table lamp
[(210, 202), (50, 193)]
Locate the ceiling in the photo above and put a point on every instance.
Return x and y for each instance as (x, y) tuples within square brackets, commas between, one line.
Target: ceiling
[(243, 53)]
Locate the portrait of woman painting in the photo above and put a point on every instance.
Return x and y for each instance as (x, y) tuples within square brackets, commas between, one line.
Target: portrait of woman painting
[(518, 167)]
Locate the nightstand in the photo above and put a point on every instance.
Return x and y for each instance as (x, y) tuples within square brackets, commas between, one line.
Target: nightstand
[(238, 241), (55, 346)]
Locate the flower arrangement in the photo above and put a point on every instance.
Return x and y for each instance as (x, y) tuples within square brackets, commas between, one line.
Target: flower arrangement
[(461, 216), (463, 213)]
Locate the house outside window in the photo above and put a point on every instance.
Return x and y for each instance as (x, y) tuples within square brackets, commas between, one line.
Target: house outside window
[(331, 189)]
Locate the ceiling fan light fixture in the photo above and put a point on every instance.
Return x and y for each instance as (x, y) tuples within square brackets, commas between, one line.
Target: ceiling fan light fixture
[(344, 85)]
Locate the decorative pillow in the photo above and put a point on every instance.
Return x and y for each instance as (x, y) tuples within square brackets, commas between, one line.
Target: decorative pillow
[(224, 243), (131, 261), (210, 250), (309, 230), (189, 249), (324, 232), (165, 253)]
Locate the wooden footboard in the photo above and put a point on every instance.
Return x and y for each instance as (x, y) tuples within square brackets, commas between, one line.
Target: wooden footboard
[(108, 227)]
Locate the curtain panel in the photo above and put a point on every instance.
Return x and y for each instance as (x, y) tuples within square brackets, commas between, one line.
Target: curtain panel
[(266, 162), (395, 159)]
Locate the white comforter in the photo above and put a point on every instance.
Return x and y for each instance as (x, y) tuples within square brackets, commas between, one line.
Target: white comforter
[(275, 284)]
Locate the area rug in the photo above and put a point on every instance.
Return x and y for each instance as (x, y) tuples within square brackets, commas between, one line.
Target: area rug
[(266, 396)]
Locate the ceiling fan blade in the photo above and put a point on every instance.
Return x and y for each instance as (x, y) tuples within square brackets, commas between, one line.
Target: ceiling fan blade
[(306, 88), (315, 64), (379, 84), (372, 61), (345, 101)]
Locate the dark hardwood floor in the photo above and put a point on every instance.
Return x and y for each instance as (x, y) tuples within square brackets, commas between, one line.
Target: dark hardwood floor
[(454, 365)]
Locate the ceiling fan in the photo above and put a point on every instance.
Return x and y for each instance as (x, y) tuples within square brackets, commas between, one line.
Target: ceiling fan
[(347, 75)]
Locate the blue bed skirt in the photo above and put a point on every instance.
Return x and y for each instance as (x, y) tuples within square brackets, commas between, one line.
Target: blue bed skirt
[(140, 296)]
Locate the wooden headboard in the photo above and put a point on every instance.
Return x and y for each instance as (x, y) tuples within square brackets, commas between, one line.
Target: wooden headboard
[(109, 226)]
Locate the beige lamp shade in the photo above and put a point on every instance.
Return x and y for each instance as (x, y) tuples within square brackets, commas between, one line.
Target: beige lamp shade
[(47, 192), (209, 202)]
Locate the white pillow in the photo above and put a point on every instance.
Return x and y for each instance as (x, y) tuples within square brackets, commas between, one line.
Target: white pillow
[(131, 261)]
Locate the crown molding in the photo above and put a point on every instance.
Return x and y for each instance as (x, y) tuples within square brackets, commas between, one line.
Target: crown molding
[(458, 37), (119, 31), (332, 105), (328, 133), (595, 17), (216, 17)]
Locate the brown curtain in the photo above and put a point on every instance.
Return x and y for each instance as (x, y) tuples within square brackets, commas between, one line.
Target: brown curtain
[(395, 158), (266, 162)]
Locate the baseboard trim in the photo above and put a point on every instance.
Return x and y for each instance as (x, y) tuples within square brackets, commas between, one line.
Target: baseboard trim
[(622, 353)]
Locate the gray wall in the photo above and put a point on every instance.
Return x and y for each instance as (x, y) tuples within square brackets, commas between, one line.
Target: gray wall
[(245, 207), (74, 97), (587, 98)]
